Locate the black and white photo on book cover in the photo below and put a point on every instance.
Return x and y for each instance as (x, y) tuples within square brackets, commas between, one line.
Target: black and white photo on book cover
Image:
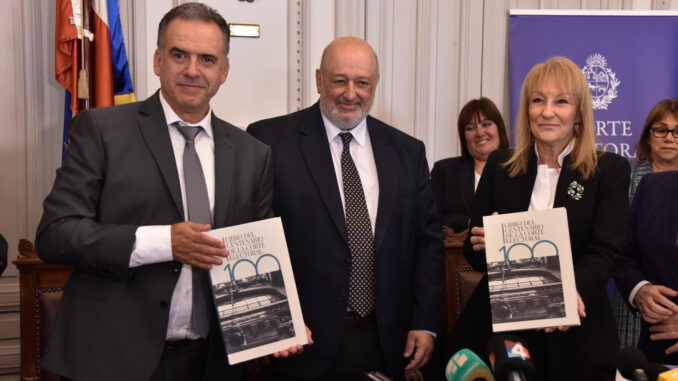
[(254, 291), (530, 271)]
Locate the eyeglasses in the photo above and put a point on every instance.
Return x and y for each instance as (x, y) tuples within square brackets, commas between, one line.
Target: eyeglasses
[(661, 132)]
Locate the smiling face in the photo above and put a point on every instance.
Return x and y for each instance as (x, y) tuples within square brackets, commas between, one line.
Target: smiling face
[(346, 81), (482, 137), (664, 151), (191, 63), (553, 114)]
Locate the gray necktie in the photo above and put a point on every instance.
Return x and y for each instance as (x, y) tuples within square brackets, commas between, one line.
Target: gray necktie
[(198, 206), (360, 239)]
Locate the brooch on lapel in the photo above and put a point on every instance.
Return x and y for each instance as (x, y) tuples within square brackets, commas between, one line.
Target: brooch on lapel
[(575, 190)]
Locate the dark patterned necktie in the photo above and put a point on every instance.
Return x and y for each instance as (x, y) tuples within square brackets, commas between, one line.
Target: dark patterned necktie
[(360, 239), (198, 205)]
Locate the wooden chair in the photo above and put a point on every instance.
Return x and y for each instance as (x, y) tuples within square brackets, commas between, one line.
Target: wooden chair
[(40, 292), (461, 278)]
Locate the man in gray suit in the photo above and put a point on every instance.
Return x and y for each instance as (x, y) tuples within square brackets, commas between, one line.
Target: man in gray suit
[(118, 215)]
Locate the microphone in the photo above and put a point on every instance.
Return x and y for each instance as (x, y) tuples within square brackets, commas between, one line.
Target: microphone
[(510, 358), (467, 366), (631, 363), (669, 375)]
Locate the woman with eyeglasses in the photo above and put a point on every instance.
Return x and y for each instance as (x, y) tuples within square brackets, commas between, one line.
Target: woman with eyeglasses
[(657, 151), (454, 180)]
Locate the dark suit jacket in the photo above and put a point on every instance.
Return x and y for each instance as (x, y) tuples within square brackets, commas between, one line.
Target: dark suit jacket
[(119, 174), (597, 223), (650, 251), (453, 183), (409, 260)]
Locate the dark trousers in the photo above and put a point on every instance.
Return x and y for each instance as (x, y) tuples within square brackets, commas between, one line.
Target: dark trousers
[(359, 352), (182, 360)]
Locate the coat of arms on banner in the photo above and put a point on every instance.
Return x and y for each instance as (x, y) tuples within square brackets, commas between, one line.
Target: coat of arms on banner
[(602, 81)]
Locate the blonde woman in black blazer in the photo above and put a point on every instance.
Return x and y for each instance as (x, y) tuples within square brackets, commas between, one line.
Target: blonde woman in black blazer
[(555, 144)]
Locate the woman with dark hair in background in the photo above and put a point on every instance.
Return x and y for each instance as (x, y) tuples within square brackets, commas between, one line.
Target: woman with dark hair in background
[(657, 148), (555, 164), (454, 180), (657, 151)]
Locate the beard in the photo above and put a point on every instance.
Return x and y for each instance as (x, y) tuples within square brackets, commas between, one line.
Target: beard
[(329, 109)]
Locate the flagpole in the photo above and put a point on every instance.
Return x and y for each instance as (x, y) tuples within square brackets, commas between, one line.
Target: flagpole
[(86, 15)]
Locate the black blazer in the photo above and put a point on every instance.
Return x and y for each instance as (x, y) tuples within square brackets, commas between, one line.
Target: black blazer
[(453, 185), (119, 174), (597, 226), (650, 251), (409, 259)]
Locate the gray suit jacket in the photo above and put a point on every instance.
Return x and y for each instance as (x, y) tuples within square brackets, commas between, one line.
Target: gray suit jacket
[(120, 173)]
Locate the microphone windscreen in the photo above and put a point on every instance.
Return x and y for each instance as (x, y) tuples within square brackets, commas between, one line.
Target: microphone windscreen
[(467, 366), (669, 375), (653, 370), (630, 359), (508, 353)]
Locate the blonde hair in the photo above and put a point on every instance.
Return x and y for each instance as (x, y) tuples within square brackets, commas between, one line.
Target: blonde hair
[(567, 76)]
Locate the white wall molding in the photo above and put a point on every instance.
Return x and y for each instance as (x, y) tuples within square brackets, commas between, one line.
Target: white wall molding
[(445, 141), (393, 36), (321, 20), (350, 18), (379, 34), (31, 79), (495, 73), (297, 45), (470, 50), (426, 74), (137, 40)]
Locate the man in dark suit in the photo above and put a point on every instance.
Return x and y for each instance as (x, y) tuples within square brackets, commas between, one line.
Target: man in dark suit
[(118, 214), (372, 300)]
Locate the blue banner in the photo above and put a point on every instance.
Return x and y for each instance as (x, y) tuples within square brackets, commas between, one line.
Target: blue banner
[(630, 61)]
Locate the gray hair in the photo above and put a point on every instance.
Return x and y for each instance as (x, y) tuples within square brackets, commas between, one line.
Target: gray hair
[(195, 11)]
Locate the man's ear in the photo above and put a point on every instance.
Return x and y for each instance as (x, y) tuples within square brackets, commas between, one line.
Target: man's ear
[(318, 80), (224, 74), (156, 62)]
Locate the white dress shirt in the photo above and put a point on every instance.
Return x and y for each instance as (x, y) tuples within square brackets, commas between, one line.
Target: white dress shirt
[(153, 243), (363, 157), (544, 190)]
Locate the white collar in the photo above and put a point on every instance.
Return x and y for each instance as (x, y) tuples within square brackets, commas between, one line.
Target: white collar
[(172, 117), (359, 132), (561, 157)]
